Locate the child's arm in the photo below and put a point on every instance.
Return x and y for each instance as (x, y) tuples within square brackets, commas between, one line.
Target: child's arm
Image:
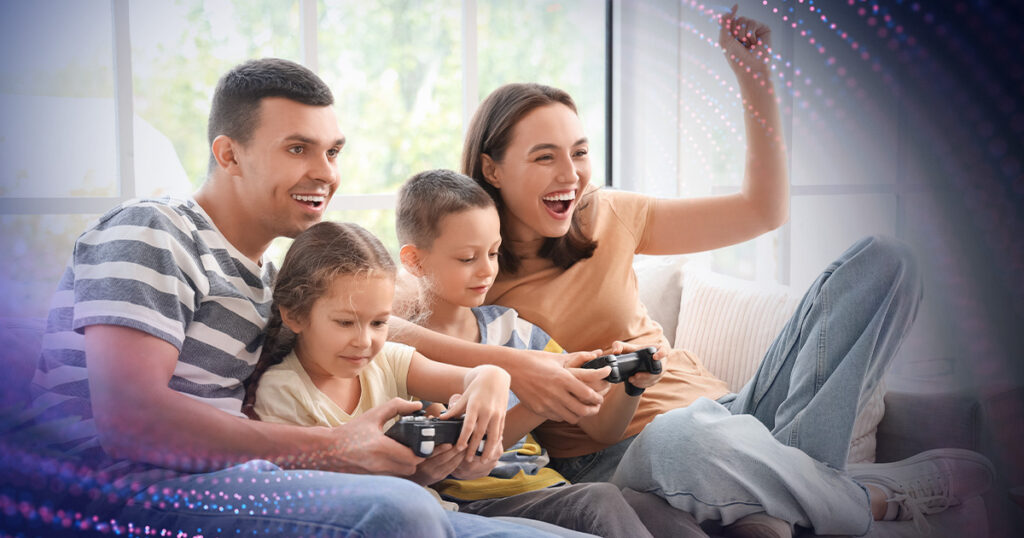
[(539, 378), (484, 399)]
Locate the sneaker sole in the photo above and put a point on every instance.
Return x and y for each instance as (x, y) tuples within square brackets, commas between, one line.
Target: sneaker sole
[(945, 453)]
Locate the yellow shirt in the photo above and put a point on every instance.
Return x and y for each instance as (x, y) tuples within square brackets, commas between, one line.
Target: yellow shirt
[(594, 303)]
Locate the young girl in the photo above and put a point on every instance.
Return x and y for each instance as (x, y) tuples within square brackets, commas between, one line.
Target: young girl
[(325, 360)]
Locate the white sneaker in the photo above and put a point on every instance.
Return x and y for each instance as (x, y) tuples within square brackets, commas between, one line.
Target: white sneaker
[(929, 482)]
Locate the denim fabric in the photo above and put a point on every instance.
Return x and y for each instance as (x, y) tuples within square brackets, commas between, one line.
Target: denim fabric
[(780, 444), (259, 498), (596, 508)]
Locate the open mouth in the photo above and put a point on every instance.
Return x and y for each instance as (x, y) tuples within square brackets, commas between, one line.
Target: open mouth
[(314, 201), (559, 203)]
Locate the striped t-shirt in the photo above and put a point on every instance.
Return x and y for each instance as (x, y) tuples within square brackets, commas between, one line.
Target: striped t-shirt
[(163, 268)]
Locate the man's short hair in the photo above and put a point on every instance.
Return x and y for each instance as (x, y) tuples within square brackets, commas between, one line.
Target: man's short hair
[(236, 101), (428, 197)]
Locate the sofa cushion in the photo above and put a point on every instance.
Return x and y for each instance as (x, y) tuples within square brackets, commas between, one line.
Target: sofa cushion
[(730, 323), (659, 286)]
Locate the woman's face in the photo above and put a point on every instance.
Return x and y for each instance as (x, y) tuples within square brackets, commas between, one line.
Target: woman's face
[(543, 173)]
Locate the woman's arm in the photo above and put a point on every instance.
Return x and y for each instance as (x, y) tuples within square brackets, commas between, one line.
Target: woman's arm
[(698, 224), (539, 378)]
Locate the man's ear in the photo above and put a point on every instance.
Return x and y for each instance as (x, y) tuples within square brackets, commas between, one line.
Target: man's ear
[(410, 257), (290, 320), (490, 169), (224, 150)]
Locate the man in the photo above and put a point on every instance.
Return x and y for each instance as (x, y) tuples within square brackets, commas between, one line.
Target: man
[(157, 321)]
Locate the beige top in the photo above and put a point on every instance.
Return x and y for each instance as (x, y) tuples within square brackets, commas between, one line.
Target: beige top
[(287, 395), (594, 303)]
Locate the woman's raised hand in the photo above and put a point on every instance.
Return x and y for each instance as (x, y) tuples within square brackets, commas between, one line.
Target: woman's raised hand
[(747, 44)]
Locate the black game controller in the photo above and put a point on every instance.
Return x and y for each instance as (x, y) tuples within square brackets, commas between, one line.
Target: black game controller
[(627, 364), (422, 433)]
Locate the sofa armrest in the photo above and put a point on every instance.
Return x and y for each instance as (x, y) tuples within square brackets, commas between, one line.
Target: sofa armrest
[(918, 421)]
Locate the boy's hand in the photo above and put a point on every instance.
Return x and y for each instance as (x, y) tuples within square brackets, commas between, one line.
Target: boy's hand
[(443, 462), (593, 378), (484, 402), (477, 468), (548, 389), (641, 380)]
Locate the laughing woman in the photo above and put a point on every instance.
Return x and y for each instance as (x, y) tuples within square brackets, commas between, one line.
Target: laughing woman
[(758, 461)]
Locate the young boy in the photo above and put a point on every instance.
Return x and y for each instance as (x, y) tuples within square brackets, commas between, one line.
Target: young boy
[(450, 234)]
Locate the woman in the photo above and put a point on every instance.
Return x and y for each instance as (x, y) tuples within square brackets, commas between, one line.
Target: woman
[(758, 461)]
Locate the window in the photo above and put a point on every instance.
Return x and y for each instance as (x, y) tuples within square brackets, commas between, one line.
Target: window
[(116, 107)]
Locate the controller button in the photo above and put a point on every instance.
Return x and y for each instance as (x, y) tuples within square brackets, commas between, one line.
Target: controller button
[(427, 432), (427, 447)]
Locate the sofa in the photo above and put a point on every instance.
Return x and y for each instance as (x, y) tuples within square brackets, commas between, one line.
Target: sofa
[(729, 323)]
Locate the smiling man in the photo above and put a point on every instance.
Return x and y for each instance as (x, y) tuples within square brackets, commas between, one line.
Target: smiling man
[(158, 320)]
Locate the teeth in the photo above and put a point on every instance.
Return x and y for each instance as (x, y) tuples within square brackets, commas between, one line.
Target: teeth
[(314, 198), (563, 197)]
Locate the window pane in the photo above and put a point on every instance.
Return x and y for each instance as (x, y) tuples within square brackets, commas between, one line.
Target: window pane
[(56, 100), (823, 227), (380, 222), (36, 249), (560, 44), (179, 51), (396, 71)]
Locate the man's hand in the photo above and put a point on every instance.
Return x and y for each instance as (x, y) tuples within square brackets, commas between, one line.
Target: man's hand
[(548, 389), (476, 468), (362, 447)]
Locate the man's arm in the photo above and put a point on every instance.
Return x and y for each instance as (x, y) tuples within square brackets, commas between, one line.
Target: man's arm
[(539, 378), (139, 417)]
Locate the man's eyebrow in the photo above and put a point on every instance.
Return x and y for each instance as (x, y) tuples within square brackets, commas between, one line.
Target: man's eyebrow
[(545, 145), (307, 140)]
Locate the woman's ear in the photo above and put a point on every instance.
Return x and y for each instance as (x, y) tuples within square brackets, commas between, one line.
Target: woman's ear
[(224, 150), (491, 171), (410, 257), (289, 320)]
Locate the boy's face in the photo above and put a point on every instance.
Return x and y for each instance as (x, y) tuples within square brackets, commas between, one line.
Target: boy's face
[(461, 264), (290, 165)]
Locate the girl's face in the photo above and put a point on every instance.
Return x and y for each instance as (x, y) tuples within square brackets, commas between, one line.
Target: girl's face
[(544, 171), (346, 327)]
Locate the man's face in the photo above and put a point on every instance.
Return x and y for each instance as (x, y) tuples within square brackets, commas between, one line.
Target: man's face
[(289, 166)]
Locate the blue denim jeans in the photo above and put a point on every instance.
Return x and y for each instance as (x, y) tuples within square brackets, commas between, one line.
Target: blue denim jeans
[(259, 498), (780, 444)]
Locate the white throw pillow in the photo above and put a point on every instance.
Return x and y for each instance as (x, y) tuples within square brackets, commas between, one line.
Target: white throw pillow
[(730, 323)]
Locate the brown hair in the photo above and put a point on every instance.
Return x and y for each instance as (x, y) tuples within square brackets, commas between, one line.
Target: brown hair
[(490, 133), (321, 253), (428, 197), (235, 111)]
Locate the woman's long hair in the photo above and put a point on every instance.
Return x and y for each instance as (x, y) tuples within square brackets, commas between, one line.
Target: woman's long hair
[(320, 254), (490, 133)]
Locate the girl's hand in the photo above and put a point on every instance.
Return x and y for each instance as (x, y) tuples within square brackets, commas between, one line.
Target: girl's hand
[(641, 380), (747, 44), (593, 378), (443, 462), (484, 402)]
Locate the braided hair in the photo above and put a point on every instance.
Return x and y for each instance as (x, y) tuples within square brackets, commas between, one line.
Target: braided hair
[(320, 254)]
